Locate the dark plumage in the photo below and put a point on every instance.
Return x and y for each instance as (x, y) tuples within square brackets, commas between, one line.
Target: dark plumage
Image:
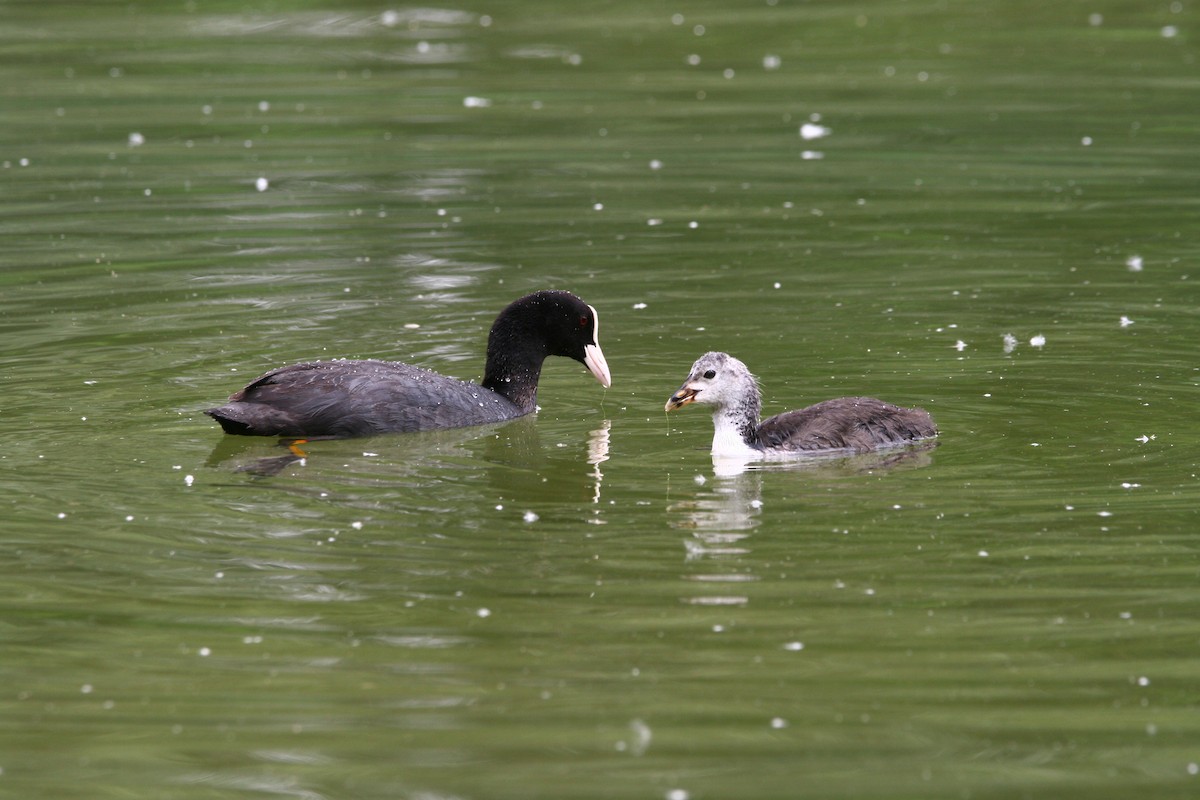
[(359, 398), (857, 424)]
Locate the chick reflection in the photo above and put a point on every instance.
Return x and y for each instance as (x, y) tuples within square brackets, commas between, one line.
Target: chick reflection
[(720, 519)]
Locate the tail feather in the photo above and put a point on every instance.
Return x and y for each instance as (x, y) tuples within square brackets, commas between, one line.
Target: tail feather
[(251, 419)]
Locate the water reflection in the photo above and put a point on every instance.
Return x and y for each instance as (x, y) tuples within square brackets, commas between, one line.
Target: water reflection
[(720, 520), (721, 517), (598, 454), (522, 467)]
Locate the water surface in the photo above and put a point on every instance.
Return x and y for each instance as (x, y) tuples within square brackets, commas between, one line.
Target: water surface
[(853, 200)]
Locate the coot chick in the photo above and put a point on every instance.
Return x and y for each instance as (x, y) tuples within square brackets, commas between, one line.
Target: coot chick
[(855, 424), (338, 399)]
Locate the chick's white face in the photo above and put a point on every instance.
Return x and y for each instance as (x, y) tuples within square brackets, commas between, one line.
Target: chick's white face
[(716, 379)]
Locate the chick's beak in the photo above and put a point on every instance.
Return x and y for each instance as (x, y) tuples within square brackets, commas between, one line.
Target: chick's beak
[(684, 395)]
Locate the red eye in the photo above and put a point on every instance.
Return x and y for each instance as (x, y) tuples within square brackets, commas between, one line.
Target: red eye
[(583, 322)]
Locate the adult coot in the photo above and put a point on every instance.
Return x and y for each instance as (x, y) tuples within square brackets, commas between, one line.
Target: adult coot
[(855, 424), (330, 399)]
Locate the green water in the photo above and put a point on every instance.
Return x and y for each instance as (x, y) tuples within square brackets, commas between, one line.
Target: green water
[(575, 604)]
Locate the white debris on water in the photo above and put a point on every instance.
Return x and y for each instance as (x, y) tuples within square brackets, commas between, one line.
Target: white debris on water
[(1125, 321), (812, 155), (811, 130), (530, 516), (960, 345), (262, 184), (483, 613), (1037, 340), (1010, 342), (772, 62), (655, 164), (639, 306), (476, 102), (794, 647), (1134, 263), (188, 480), (778, 723), (136, 139)]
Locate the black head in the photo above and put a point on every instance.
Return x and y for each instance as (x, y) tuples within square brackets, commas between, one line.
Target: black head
[(550, 323)]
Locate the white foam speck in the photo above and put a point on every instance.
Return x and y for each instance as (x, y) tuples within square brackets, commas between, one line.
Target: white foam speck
[(1170, 32), (656, 164), (983, 553), (794, 647), (188, 480), (772, 62), (654, 221), (700, 480), (1086, 141), (204, 652), (1010, 343), (358, 526), (1134, 263), (529, 516), (597, 206), (390, 18), (476, 102), (1143, 681), (1125, 321), (677, 794), (811, 130), (1037, 341), (778, 723), (812, 155), (960, 345), (483, 613), (136, 139), (262, 184), (639, 306), (1095, 20)]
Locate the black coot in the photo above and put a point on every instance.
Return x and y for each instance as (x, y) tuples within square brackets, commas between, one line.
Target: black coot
[(335, 399), (858, 424)]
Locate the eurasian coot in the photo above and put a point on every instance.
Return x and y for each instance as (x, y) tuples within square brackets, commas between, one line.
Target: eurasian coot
[(855, 424), (335, 399)]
